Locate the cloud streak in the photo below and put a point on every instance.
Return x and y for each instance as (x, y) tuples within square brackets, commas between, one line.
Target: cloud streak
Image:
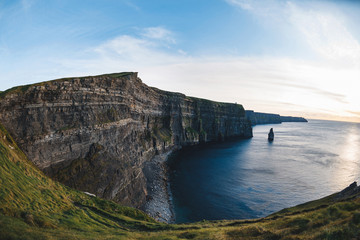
[(244, 4), (159, 33), (331, 95), (321, 28), (325, 33)]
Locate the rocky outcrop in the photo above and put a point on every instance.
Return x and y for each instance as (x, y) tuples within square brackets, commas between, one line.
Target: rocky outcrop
[(271, 135), (351, 190), (96, 133), (269, 118)]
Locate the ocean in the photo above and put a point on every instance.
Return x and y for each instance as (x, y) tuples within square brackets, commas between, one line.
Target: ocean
[(253, 178)]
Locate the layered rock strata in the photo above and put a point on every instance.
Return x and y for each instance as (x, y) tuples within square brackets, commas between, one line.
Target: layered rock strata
[(97, 133), (269, 118)]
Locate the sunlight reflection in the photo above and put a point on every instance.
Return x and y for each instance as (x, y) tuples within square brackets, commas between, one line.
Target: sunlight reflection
[(349, 165)]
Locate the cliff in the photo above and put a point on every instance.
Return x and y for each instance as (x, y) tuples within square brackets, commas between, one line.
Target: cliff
[(96, 133), (262, 118), (292, 119), (270, 118)]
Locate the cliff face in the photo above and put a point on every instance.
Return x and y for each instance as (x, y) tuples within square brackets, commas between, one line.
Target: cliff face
[(270, 118), (96, 133), (262, 118)]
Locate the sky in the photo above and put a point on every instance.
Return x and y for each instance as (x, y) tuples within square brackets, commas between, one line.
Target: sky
[(299, 58)]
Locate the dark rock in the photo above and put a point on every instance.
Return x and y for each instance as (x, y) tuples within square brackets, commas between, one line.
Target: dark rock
[(96, 133), (271, 135), (349, 191)]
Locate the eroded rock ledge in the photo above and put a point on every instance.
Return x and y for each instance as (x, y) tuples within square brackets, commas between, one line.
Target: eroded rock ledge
[(97, 133)]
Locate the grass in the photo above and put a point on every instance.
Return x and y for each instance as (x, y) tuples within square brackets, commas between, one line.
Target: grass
[(116, 75), (24, 88), (18, 89), (32, 206), (163, 133)]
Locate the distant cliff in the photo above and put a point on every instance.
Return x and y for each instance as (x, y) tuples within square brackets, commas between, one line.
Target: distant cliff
[(292, 119), (96, 133), (270, 118)]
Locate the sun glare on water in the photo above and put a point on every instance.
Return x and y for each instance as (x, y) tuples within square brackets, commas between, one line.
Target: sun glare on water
[(349, 166)]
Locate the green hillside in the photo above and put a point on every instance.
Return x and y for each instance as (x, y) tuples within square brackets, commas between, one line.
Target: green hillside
[(32, 206)]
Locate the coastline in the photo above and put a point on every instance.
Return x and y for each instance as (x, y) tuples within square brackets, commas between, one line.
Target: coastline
[(158, 201)]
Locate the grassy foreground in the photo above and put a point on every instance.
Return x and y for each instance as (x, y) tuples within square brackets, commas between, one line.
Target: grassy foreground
[(32, 206)]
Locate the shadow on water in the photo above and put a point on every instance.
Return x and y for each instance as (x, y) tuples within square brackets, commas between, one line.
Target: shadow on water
[(209, 190)]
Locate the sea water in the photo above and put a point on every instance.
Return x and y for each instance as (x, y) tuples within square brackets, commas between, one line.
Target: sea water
[(253, 178)]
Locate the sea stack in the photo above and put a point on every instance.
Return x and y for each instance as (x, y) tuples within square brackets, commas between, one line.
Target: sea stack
[(271, 135)]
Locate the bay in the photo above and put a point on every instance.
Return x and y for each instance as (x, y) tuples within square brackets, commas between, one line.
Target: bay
[(253, 178)]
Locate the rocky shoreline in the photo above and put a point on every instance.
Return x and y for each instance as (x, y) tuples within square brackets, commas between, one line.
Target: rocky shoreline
[(158, 201)]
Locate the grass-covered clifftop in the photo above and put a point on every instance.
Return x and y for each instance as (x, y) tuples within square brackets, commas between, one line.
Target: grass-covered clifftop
[(32, 206)]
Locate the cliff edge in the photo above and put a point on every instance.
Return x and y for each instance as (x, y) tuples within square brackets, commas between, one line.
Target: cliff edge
[(270, 118), (96, 133)]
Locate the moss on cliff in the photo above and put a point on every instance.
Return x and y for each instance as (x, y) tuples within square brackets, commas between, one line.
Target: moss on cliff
[(191, 133), (18, 89), (163, 134), (116, 75)]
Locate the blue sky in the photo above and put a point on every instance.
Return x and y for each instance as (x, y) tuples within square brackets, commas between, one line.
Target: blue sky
[(288, 57)]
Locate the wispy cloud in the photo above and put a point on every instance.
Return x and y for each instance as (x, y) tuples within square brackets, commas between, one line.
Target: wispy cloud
[(325, 84), (26, 4), (269, 8), (320, 27), (325, 33), (159, 33), (244, 4), (357, 114), (341, 98), (148, 49), (131, 4), (127, 53)]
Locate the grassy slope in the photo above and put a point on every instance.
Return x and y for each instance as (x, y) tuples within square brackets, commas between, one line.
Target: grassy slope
[(32, 206)]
